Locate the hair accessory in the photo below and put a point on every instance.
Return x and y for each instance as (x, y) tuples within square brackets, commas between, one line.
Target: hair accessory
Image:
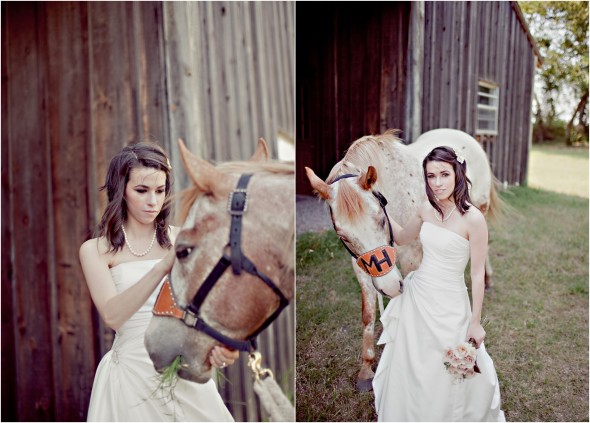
[(460, 158)]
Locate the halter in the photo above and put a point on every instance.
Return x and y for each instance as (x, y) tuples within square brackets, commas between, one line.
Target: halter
[(379, 261), (166, 305)]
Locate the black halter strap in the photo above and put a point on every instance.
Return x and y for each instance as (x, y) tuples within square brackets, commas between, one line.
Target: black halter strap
[(382, 203), (237, 206)]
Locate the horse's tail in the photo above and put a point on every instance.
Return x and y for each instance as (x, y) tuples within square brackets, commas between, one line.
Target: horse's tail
[(497, 206)]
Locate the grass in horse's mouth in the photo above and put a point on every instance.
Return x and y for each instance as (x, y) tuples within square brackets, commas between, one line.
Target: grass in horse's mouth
[(169, 377)]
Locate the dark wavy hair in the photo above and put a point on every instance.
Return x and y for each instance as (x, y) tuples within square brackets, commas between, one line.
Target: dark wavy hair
[(141, 154), (462, 182)]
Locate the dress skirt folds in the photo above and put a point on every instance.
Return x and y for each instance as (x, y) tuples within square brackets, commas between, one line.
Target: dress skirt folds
[(432, 315), (126, 383)]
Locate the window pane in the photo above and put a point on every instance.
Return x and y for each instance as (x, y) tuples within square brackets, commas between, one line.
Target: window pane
[(487, 108), (488, 101), (484, 89), (484, 114)]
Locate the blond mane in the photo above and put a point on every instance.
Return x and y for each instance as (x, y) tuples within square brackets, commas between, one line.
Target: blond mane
[(362, 153), (348, 202), (187, 197)]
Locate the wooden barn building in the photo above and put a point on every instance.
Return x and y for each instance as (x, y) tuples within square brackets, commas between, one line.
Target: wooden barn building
[(79, 81), (364, 67)]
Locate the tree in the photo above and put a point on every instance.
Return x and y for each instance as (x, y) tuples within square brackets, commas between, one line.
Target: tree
[(560, 29)]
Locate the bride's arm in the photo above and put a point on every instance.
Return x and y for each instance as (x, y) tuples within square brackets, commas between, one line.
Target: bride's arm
[(405, 235), (478, 245), (115, 309)]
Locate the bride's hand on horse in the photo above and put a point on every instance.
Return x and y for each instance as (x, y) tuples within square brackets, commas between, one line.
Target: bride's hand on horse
[(222, 357), (168, 260), (477, 333)]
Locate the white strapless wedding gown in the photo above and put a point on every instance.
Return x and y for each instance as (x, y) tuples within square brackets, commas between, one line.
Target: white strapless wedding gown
[(432, 315), (125, 384)]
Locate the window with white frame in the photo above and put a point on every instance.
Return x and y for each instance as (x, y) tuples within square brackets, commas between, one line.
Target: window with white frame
[(487, 108)]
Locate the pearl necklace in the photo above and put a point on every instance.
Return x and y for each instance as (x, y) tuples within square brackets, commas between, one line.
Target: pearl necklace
[(448, 216), (132, 250)]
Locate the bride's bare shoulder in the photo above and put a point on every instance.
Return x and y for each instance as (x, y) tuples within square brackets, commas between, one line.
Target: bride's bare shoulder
[(98, 247)]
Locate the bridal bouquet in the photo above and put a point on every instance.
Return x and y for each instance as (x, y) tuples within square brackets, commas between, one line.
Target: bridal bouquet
[(461, 362)]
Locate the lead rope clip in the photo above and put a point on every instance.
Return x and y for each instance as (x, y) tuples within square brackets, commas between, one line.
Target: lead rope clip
[(255, 364)]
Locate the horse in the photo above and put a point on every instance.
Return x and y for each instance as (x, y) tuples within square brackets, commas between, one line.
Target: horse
[(234, 266), (377, 168)]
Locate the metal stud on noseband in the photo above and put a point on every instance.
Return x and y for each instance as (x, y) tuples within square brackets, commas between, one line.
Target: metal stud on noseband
[(379, 261), (166, 305)]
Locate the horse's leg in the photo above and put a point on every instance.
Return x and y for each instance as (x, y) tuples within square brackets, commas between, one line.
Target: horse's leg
[(369, 296), (488, 273)]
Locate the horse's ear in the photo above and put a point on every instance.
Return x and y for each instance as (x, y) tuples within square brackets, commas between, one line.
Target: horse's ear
[(322, 188), (367, 180), (203, 173), (261, 153)]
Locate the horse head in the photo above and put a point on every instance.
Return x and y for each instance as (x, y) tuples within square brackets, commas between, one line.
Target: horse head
[(359, 214), (234, 269)]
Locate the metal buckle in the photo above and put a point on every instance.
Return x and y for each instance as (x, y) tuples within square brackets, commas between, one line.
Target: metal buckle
[(231, 199), (190, 318)]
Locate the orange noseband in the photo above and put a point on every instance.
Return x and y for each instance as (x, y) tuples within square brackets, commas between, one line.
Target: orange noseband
[(165, 304), (378, 262)]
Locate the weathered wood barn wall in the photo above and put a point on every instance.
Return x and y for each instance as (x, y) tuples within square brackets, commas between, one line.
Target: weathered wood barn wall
[(366, 67), (79, 81)]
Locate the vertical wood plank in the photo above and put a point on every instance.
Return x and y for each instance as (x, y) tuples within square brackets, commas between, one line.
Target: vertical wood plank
[(9, 351), (401, 15), (472, 70), (245, 135), (288, 126), (68, 115), (262, 76), (513, 89), (439, 81), (446, 62), (498, 66), (522, 112), (186, 84), (113, 123), (415, 76), (147, 56), (31, 255)]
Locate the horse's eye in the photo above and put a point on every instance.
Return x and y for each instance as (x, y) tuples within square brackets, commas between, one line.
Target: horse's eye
[(182, 252)]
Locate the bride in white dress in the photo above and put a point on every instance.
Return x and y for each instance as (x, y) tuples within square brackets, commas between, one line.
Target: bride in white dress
[(124, 268), (434, 314)]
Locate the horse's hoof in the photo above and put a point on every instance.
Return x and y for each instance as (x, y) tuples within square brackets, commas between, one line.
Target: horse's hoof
[(364, 385)]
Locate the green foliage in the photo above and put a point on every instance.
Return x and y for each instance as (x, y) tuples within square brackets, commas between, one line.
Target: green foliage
[(551, 131), (560, 29)]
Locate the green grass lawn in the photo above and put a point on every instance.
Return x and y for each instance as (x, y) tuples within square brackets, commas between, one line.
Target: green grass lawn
[(538, 313), (560, 169)]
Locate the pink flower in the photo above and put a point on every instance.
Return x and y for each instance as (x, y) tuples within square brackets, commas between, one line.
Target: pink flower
[(461, 361), (461, 351)]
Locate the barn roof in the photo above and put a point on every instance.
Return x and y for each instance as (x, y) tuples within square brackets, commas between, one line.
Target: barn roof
[(529, 36)]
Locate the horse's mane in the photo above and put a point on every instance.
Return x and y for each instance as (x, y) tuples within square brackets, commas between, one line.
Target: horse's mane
[(362, 153), (187, 197), (348, 202)]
